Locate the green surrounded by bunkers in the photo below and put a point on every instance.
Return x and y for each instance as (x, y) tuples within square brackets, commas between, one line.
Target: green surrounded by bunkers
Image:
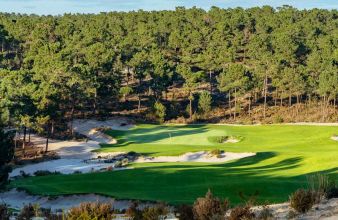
[(285, 156)]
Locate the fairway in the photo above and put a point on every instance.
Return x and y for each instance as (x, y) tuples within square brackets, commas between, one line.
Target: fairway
[(286, 154)]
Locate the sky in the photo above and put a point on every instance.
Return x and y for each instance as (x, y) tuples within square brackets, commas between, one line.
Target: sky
[(56, 7)]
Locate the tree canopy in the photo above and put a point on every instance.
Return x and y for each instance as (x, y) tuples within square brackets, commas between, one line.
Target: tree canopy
[(58, 66)]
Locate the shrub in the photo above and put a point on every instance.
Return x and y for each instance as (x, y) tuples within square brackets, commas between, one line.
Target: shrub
[(125, 162), (91, 211), (223, 139), (241, 213), (4, 212), (118, 164), (323, 186), (209, 207), (302, 200), (153, 213), (24, 174), (217, 139), (185, 212), (133, 212), (319, 184), (332, 192), (132, 154), (216, 152), (292, 214), (27, 212), (265, 214), (45, 173), (160, 111), (278, 119)]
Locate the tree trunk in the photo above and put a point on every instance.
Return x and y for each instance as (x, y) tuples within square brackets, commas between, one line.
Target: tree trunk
[(24, 133), (72, 119), (230, 103), (235, 104), (95, 102), (139, 103), (265, 93), (276, 97), (210, 81), (250, 105), (52, 129), (190, 106), (323, 108), (47, 139), (297, 108)]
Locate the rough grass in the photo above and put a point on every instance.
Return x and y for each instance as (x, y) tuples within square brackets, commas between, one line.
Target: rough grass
[(286, 154)]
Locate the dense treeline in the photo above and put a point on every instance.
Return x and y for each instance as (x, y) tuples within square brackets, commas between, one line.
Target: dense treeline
[(56, 66)]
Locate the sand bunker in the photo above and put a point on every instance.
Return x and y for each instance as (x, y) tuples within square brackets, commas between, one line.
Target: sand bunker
[(91, 128), (72, 153), (335, 138), (18, 199), (201, 156), (326, 209), (231, 140)]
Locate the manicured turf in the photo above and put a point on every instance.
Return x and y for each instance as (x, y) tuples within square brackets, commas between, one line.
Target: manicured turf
[(286, 154)]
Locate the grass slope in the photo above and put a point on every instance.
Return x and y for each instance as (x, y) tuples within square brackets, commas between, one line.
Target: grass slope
[(286, 154)]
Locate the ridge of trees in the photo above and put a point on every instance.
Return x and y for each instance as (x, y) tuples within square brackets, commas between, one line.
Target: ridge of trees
[(57, 66)]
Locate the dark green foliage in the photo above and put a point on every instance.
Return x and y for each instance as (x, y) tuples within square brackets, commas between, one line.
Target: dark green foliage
[(45, 173), (185, 212), (4, 212), (332, 192), (6, 155), (27, 212), (160, 111), (59, 66), (302, 200), (204, 102)]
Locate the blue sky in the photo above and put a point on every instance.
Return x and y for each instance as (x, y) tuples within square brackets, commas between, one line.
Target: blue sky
[(55, 7)]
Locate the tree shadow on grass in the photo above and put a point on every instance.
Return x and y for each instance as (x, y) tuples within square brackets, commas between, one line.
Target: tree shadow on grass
[(179, 183)]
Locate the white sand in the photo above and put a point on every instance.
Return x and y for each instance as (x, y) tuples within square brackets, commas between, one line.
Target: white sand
[(232, 140), (89, 128), (201, 156), (335, 138), (327, 209), (73, 153), (17, 199)]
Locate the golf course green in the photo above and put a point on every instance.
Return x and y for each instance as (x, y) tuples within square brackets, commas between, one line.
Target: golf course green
[(285, 156)]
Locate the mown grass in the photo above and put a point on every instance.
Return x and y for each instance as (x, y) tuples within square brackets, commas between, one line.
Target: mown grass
[(286, 154)]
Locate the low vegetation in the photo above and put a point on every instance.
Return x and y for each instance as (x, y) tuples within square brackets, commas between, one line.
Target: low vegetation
[(210, 207), (302, 200)]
